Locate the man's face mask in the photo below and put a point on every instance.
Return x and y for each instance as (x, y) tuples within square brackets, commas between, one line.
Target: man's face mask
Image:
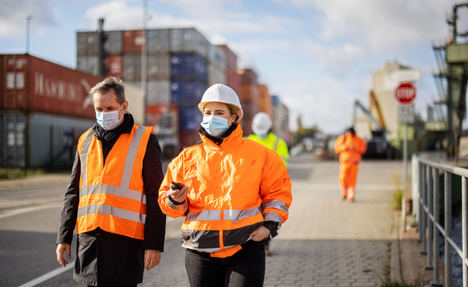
[(108, 120), (215, 125)]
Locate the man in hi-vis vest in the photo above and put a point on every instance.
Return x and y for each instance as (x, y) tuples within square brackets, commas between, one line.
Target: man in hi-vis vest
[(112, 196), (261, 126)]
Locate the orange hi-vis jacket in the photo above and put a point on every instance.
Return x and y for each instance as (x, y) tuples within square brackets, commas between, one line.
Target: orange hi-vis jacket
[(233, 189), (350, 148), (112, 195)]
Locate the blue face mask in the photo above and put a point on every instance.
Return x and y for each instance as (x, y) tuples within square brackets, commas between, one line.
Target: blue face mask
[(215, 125)]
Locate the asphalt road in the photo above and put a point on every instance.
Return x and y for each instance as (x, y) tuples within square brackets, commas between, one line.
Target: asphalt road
[(29, 218)]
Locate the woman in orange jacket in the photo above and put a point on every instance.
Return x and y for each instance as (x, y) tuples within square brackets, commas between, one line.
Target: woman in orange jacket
[(233, 193), (351, 148)]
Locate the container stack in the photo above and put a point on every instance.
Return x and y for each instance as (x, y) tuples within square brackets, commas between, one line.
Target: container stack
[(230, 70), (249, 94), (44, 107), (181, 65)]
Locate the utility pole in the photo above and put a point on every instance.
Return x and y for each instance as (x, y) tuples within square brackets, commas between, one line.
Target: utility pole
[(144, 61), (28, 22)]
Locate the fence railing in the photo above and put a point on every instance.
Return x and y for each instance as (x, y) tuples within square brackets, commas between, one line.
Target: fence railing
[(430, 227)]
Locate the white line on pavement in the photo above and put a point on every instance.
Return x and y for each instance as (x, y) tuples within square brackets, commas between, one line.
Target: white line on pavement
[(29, 209), (47, 276)]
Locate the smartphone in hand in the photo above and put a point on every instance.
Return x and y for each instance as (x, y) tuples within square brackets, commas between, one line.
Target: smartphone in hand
[(176, 186)]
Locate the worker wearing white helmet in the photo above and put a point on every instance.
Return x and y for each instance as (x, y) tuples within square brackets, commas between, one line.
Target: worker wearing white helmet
[(233, 192), (261, 126)]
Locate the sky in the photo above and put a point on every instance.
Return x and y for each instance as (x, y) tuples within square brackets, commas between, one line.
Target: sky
[(318, 56)]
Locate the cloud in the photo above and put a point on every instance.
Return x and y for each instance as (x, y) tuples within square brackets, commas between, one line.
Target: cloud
[(382, 25), (324, 102), (13, 19)]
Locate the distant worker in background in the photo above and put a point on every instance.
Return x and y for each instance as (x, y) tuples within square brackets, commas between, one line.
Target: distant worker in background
[(261, 126), (350, 147)]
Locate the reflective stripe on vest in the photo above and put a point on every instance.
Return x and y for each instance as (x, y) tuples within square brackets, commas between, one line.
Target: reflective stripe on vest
[(277, 204), (228, 214), (90, 207)]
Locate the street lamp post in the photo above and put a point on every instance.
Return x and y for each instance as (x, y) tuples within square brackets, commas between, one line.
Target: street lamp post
[(28, 21)]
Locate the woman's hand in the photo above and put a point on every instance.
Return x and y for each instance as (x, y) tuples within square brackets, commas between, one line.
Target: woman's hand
[(179, 195), (260, 233)]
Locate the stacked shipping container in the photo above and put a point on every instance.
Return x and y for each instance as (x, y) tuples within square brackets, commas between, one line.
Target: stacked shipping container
[(232, 78), (249, 95), (181, 62), (43, 109)]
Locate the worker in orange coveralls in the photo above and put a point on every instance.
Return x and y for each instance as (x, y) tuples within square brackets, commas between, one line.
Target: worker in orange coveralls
[(350, 147)]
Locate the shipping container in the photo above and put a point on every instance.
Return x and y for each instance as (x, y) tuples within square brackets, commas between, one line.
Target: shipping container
[(233, 80), (159, 92), (189, 138), (158, 41), (248, 77), (230, 58), (188, 40), (188, 67), (87, 44), (57, 136), (133, 41), (265, 100), (164, 118), (132, 67), (250, 108), (88, 64), (159, 67), (114, 66), (113, 42), (49, 140), (189, 118), (217, 57), (46, 87), (136, 103), (12, 139), (216, 75), (249, 93), (184, 93)]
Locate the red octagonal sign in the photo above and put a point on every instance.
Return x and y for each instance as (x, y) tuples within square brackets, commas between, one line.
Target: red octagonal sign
[(405, 93)]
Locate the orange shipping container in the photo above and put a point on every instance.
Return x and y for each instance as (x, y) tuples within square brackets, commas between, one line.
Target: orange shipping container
[(265, 100), (163, 117), (133, 41)]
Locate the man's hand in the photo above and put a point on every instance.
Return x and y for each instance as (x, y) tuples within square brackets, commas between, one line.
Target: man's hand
[(260, 233), (60, 249), (152, 258)]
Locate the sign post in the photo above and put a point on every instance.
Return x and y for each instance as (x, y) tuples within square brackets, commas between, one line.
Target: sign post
[(405, 93)]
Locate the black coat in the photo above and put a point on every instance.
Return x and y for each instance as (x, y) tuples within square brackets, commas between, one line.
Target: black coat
[(110, 259)]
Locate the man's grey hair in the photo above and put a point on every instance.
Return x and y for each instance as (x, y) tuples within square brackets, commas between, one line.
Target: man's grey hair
[(110, 83)]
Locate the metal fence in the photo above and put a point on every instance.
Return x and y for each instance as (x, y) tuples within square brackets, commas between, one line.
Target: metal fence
[(429, 195)]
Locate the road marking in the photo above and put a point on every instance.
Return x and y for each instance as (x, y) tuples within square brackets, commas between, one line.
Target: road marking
[(29, 209), (47, 276)]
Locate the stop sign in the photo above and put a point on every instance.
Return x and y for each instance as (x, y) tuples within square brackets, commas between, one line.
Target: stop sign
[(405, 93)]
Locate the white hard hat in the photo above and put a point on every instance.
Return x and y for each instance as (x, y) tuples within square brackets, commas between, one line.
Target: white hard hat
[(221, 94), (261, 124)]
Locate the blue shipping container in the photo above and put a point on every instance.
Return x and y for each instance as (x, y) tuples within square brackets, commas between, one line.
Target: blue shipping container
[(185, 93), (188, 66), (189, 118)]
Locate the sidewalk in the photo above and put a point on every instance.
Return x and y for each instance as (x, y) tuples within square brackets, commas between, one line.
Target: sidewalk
[(38, 180), (326, 241)]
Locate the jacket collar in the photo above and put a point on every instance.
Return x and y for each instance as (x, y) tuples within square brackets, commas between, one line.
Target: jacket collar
[(233, 136)]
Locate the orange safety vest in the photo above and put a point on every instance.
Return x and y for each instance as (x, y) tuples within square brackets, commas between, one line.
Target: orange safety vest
[(350, 148), (234, 188), (112, 195)]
